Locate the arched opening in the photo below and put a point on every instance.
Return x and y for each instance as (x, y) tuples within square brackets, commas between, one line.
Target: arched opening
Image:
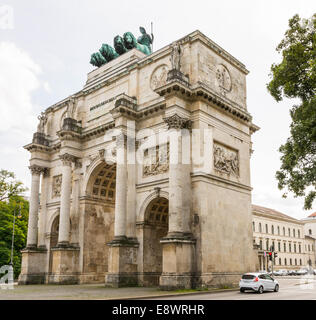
[(99, 212), (155, 228), (53, 240)]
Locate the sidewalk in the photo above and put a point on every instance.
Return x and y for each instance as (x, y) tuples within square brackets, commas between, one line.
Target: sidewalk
[(89, 292)]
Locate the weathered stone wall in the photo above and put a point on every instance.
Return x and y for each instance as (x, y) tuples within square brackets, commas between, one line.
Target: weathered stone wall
[(98, 231)]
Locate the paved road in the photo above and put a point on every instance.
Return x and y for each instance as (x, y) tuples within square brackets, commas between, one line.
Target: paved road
[(290, 289)]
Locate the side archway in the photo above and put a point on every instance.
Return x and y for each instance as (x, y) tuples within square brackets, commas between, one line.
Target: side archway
[(155, 227)]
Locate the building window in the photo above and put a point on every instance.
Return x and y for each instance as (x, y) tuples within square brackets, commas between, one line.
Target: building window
[(310, 232), (253, 227), (280, 261), (260, 244), (284, 246), (290, 262), (278, 230), (289, 232), (298, 233), (290, 247), (296, 262), (285, 261), (279, 246), (295, 248), (299, 248), (283, 231), (309, 248), (272, 229), (260, 228), (294, 233), (267, 244), (300, 261), (267, 230)]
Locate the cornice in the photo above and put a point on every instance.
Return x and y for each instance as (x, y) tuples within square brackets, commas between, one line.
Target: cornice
[(274, 217)]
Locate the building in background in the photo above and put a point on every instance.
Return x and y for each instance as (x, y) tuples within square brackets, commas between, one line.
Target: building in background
[(295, 248)]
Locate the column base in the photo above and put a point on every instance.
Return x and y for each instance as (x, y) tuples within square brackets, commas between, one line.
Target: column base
[(65, 265), (178, 263), (122, 263), (33, 266)]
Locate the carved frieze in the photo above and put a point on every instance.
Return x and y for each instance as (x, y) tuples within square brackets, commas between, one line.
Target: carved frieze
[(56, 186), (156, 160), (226, 160), (159, 77)]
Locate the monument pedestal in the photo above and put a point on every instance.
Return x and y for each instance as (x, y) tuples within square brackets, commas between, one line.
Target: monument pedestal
[(122, 270), (177, 264), (33, 266), (65, 265)]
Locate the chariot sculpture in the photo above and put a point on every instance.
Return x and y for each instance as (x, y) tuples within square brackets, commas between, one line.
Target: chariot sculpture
[(122, 45)]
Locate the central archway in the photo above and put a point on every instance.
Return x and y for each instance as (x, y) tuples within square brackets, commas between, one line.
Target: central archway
[(99, 213), (155, 228)]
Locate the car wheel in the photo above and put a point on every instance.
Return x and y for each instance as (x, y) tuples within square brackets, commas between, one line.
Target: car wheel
[(242, 290), (260, 290), (276, 288)]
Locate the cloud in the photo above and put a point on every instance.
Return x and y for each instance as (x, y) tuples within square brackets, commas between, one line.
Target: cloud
[(19, 77)]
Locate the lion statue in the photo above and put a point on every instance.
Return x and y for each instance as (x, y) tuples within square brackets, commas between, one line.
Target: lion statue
[(108, 52), (97, 59), (119, 45), (130, 42)]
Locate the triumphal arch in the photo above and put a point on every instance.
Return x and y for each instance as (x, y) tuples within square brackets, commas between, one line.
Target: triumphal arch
[(143, 176)]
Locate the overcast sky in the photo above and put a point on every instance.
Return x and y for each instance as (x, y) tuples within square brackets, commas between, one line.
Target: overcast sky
[(45, 48)]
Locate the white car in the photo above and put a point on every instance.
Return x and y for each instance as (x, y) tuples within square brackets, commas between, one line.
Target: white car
[(301, 272), (258, 282)]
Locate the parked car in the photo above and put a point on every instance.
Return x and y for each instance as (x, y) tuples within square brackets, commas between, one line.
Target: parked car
[(258, 282), (301, 272), (262, 271), (279, 273), (292, 273), (282, 272)]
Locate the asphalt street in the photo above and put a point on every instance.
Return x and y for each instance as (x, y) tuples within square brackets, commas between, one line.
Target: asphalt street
[(290, 289)]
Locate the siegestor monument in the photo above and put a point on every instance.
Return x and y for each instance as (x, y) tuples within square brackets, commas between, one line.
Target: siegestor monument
[(143, 176)]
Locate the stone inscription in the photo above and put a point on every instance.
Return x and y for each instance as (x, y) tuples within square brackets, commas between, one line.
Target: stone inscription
[(226, 160)]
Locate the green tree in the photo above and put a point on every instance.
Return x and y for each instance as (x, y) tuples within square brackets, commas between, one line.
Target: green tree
[(9, 186), (20, 231), (295, 78), (10, 202)]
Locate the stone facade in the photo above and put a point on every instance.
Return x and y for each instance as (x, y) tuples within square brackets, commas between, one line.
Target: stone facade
[(294, 247), (181, 218)]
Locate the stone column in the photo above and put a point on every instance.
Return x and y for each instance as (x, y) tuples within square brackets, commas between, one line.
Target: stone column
[(64, 218), (122, 265), (121, 189), (42, 215), (178, 246), (131, 182), (179, 176), (34, 205)]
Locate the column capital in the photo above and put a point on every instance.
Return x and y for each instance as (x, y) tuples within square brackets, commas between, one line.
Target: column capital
[(37, 170), (67, 159), (177, 122)]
